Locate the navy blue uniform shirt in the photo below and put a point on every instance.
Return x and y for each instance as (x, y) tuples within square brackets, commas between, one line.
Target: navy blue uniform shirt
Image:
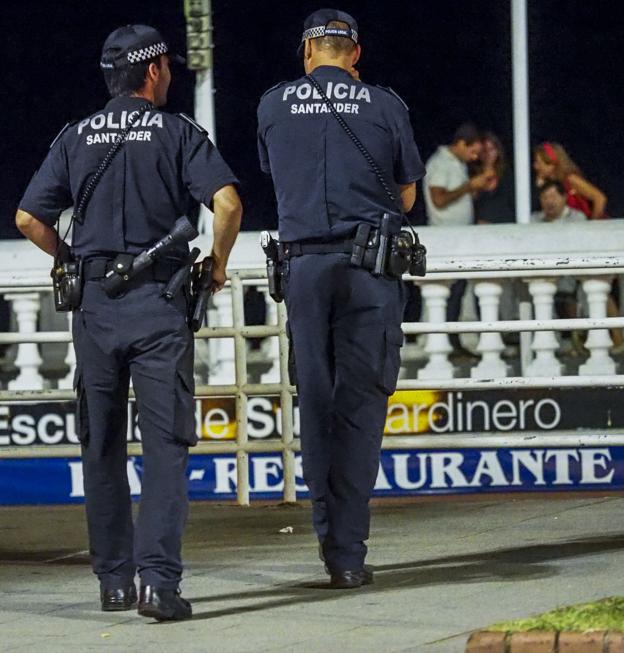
[(324, 186), (163, 171)]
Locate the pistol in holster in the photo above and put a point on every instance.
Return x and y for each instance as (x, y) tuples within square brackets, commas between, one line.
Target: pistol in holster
[(270, 246), (201, 289)]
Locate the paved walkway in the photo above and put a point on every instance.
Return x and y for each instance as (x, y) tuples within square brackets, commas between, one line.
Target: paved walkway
[(443, 568)]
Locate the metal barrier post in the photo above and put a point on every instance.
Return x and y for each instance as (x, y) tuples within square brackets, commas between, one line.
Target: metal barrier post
[(240, 357), (286, 402)]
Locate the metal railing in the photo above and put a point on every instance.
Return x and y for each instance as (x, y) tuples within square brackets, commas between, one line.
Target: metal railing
[(288, 445)]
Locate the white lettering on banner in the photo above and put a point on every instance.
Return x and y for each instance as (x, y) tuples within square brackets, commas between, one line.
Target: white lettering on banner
[(133, 478), (77, 479), (454, 414), (562, 464), (538, 414), (411, 472), (70, 421), (4, 425), (260, 420), (43, 430), (499, 413), (401, 474), (447, 465), (296, 426), (265, 469), (216, 418), (24, 431), (592, 458), (490, 466), (301, 487), (532, 461), (382, 482), (225, 475)]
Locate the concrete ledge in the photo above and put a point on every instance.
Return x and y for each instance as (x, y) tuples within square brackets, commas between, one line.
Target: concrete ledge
[(539, 641)]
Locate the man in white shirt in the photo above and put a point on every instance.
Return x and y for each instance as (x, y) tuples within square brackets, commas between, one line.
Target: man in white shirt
[(448, 188), (448, 197)]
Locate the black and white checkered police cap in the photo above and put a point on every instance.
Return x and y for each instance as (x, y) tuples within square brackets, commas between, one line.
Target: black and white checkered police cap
[(132, 44), (315, 26)]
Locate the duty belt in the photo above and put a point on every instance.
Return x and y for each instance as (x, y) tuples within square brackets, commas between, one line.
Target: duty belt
[(160, 270), (289, 250)]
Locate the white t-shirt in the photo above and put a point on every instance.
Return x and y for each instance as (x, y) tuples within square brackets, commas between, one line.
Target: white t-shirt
[(445, 170), (568, 215)]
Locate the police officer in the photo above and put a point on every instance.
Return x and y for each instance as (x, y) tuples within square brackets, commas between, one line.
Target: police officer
[(165, 168), (344, 322)]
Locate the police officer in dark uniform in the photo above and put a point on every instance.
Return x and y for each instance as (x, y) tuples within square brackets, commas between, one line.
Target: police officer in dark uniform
[(344, 322), (165, 168)]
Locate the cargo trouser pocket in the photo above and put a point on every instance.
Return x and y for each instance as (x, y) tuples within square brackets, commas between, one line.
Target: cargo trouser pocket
[(82, 410), (184, 430), (393, 341), (292, 367)]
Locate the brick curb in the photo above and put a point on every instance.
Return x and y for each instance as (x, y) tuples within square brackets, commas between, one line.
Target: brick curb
[(544, 641)]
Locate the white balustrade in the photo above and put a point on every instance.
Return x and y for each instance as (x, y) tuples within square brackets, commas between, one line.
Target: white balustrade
[(451, 249), (26, 308), (598, 340), (222, 364), (70, 360), (490, 345), (545, 343), (435, 297), (271, 345)]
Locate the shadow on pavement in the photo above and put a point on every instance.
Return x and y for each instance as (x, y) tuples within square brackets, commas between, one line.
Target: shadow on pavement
[(509, 564)]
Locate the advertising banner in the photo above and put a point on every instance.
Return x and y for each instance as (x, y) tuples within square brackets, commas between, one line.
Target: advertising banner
[(410, 412), (401, 473)]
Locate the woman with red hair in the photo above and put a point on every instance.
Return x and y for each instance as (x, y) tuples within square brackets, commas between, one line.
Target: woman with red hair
[(551, 161)]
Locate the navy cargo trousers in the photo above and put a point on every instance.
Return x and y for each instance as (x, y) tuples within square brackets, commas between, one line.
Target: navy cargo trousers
[(345, 326), (143, 337)]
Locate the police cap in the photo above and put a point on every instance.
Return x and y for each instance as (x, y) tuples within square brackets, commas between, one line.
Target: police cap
[(315, 26), (133, 44)]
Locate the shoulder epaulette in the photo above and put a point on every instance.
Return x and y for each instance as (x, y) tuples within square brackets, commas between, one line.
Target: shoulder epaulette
[(194, 124), (273, 88), (387, 89), (65, 128)]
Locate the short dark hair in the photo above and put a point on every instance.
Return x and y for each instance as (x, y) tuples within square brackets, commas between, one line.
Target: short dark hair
[(128, 79), (468, 133), (337, 45), (552, 183)]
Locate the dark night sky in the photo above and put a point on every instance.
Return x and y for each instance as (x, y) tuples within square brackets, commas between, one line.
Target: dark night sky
[(449, 60)]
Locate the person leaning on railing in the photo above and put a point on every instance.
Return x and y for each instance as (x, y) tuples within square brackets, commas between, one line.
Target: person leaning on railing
[(552, 162), (449, 192)]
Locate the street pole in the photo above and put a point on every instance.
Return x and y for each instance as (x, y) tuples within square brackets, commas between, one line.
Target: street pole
[(520, 76), (199, 47)]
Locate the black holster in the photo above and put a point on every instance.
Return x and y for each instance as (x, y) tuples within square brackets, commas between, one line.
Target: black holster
[(270, 248), (387, 250), (67, 284)]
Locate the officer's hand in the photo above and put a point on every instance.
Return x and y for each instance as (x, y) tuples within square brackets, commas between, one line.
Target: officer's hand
[(219, 277), (355, 73)]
